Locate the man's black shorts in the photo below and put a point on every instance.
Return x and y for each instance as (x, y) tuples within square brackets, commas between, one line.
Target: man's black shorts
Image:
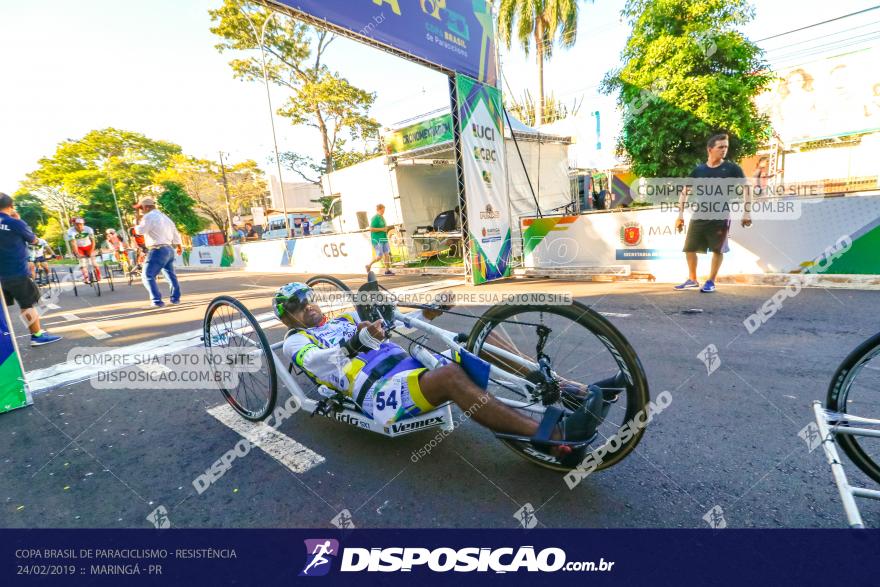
[(22, 290), (707, 235)]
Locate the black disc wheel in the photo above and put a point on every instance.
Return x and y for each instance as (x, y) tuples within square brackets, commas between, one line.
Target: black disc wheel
[(577, 348)]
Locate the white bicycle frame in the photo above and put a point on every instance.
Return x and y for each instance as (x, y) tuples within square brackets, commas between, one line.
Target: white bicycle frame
[(827, 431), (442, 416)]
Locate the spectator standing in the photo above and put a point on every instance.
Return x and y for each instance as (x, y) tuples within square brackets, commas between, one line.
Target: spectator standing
[(379, 238), (161, 239), (15, 281), (709, 234), (250, 234)]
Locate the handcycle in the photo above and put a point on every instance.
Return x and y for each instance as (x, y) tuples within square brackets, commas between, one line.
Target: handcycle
[(117, 266), (853, 396), (48, 278), (134, 264), (534, 353)]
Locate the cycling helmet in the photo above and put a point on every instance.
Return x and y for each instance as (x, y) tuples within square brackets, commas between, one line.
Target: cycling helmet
[(290, 298)]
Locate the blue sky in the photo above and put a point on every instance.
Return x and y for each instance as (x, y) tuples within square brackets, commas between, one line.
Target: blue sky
[(151, 67)]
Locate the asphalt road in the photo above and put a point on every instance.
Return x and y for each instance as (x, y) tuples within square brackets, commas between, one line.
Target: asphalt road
[(86, 457)]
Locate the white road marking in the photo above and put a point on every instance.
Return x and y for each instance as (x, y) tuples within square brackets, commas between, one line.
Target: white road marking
[(615, 315), (70, 317), (96, 332), (70, 372), (293, 455), (53, 306), (154, 368)]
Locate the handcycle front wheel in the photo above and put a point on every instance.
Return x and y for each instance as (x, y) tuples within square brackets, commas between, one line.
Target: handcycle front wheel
[(93, 281), (855, 390), (583, 348), (229, 325), (108, 273)]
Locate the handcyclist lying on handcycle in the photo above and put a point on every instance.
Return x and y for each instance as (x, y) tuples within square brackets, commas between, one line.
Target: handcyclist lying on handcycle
[(351, 357)]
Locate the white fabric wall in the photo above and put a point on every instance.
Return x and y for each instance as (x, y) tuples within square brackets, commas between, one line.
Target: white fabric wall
[(299, 195), (425, 191), (361, 187), (547, 166)]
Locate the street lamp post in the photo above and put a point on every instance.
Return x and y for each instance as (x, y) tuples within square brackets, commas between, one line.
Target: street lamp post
[(118, 213), (261, 36), (226, 193)]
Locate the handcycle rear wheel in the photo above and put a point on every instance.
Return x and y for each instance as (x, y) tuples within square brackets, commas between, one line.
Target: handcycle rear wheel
[(229, 325), (855, 390), (584, 348), (108, 273)]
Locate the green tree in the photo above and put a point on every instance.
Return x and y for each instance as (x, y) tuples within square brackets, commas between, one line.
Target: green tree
[(31, 210), (688, 73), (525, 108), (202, 180), (176, 203), (542, 22), (53, 232), (310, 170), (81, 176), (293, 59)]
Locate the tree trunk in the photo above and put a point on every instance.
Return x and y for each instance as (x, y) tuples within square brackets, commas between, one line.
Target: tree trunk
[(539, 46), (325, 141)]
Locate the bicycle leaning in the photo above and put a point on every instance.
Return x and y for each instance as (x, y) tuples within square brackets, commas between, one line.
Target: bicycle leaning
[(849, 419)]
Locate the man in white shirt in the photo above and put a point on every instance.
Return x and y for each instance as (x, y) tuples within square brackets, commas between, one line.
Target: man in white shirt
[(161, 238)]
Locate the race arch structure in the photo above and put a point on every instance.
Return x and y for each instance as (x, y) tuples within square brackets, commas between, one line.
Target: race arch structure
[(457, 38)]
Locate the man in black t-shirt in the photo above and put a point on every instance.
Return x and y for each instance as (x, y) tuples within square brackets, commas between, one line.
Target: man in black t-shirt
[(710, 234)]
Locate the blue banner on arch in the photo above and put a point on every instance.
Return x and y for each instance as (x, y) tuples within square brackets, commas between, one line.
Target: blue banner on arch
[(456, 35)]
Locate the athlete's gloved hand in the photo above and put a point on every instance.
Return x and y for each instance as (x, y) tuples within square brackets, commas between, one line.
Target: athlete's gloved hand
[(368, 337)]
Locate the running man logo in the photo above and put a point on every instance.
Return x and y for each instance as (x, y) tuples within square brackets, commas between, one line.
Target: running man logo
[(319, 554), (631, 234)]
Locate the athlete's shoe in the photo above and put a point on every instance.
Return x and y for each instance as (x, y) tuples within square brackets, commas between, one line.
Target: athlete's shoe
[(44, 338), (572, 395), (583, 423), (689, 284), (708, 286)]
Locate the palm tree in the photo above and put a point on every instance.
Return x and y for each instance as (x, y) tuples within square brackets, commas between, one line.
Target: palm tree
[(540, 21)]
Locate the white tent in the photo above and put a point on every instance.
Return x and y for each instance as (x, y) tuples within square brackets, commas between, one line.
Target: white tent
[(417, 185)]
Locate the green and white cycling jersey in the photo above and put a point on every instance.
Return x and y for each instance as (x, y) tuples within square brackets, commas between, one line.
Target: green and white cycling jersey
[(81, 238), (384, 382)]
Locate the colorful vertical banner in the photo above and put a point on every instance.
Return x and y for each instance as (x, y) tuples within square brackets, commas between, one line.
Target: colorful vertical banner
[(13, 389), (480, 118)]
